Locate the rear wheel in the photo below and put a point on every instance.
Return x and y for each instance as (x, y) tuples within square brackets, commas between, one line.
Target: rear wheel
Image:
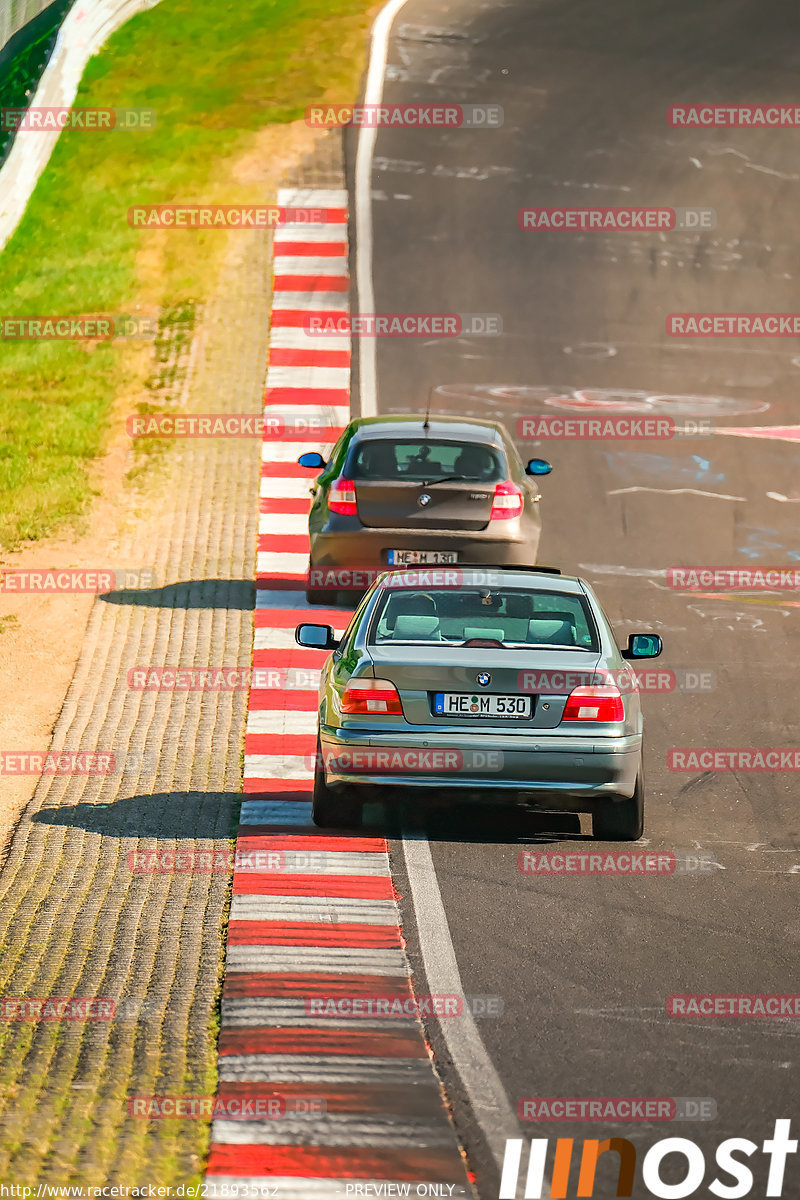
[(329, 808), (621, 820)]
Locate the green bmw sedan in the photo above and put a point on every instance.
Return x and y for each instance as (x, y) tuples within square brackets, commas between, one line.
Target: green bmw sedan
[(499, 685)]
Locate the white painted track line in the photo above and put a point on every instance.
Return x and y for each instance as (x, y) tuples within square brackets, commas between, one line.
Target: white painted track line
[(276, 812), (312, 197), (331, 959), (282, 721), (333, 1129), (294, 564), (287, 452), (286, 489), (279, 766), (296, 523), (308, 264), (365, 149), (309, 377), (295, 231), (267, 598), (314, 908), (471, 1060), (298, 339)]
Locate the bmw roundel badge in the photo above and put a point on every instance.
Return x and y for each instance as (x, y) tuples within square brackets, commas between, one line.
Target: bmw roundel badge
[(423, 500), (483, 678)]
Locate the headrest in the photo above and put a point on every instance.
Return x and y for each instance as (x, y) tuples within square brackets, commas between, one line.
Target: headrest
[(412, 628), (480, 631), (557, 616), (553, 632)]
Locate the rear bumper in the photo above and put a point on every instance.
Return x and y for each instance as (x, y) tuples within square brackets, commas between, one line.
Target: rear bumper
[(365, 548), (572, 774)]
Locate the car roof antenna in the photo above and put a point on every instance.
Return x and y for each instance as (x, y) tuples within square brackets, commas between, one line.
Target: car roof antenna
[(427, 409)]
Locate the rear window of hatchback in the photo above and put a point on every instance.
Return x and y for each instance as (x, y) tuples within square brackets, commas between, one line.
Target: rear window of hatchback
[(416, 459)]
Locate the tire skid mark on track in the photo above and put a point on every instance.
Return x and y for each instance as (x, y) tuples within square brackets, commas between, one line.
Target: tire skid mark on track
[(324, 922)]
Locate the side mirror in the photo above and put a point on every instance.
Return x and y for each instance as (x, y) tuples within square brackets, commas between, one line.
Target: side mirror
[(312, 459), (643, 645), (316, 637), (538, 466)]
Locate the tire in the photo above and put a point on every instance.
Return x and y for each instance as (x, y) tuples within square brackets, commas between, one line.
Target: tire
[(621, 820), (333, 809)]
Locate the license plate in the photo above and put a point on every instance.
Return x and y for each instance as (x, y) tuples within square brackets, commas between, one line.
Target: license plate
[(464, 704), (416, 558)]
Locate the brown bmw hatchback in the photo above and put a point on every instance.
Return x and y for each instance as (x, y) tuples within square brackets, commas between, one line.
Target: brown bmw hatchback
[(409, 491)]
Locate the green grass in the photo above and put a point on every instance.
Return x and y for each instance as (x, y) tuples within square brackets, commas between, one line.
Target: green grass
[(215, 75)]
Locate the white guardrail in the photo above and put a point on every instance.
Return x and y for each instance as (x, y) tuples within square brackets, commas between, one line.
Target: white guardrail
[(15, 14), (86, 27)]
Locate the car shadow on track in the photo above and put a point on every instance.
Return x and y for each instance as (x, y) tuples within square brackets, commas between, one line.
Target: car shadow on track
[(476, 823), (182, 815), (190, 593)]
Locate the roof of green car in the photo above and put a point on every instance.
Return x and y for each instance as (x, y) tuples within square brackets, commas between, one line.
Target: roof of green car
[(439, 425), (541, 578)]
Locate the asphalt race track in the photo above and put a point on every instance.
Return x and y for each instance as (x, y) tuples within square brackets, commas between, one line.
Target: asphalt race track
[(584, 965)]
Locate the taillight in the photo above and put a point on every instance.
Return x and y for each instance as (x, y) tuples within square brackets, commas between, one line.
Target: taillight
[(594, 704), (342, 497), (374, 696), (507, 502)]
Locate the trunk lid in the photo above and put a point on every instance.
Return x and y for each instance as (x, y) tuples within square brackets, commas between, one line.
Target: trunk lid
[(419, 672), (396, 504)]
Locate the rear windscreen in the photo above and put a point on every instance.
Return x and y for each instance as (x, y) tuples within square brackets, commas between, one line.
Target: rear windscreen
[(511, 616), (425, 459)]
